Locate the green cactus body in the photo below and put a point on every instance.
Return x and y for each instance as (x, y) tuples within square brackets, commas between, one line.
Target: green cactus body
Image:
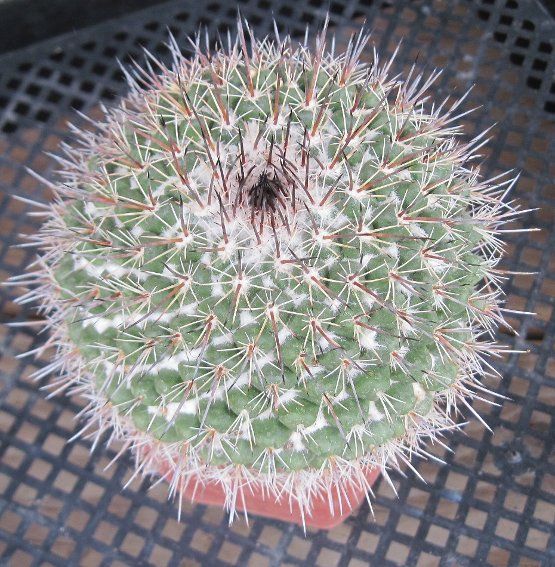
[(273, 263)]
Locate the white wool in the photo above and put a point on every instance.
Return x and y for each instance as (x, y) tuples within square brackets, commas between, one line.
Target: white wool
[(100, 324), (187, 308), (419, 391), (266, 358), (224, 339), (373, 413), (392, 250), (283, 334), (318, 424), (192, 355), (284, 397), (188, 407), (81, 263), (137, 230), (296, 440), (216, 289), (342, 396), (246, 317), (91, 209), (368, 339)]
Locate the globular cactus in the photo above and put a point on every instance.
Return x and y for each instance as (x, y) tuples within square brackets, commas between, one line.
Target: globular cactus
[(272, 265)]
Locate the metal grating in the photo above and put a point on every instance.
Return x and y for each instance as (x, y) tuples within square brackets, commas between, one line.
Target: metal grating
[(494, 501)]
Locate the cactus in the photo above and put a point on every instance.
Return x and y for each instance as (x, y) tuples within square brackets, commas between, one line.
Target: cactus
[(272, 265)]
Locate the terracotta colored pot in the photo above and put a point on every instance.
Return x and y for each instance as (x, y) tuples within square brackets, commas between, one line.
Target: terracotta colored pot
[(264, 505), (259, 503)]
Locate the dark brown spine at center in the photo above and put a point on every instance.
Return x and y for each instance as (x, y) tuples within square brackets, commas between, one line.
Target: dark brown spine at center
[(266, 194)]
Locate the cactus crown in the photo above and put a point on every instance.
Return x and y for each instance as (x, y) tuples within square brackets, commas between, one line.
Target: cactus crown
[(274, 261)]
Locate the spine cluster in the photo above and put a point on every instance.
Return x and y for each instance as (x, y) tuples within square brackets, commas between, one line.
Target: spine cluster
[(272, 265)]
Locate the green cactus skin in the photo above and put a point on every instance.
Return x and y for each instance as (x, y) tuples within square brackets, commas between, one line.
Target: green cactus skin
[(272, 266)]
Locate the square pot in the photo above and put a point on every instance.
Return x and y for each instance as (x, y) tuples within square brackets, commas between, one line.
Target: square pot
[(261, 503)]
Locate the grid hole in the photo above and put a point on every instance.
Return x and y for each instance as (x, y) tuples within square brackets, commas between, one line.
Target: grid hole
[(152, 26), (140, 41), (517, 58), (9, 127), (108, 94), (57, 55), (21, 108), (33, 90), (65, 79), (110, 52), (505, 20), (13, 84), (87, 86), (99, 69), (539, 65), (534, 83), (45, 72), (77, 103), (118, 76), (42, 115), (54, 96), (77, 62), (535, 334), (523, 42), (336, 8)]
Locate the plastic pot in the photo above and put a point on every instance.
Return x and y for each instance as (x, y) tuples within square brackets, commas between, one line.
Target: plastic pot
[(260, 503)]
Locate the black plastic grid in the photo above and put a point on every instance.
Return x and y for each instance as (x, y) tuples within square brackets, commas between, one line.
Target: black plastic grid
[(493, 503)]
